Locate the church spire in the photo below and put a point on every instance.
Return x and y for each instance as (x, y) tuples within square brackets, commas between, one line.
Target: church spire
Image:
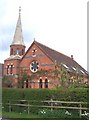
[(18, 36), (18, 47)]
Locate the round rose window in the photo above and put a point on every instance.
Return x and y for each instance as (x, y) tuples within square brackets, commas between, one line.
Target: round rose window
[(34, 66)]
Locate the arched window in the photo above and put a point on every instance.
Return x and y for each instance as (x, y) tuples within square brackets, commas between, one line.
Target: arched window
[(17, 51), (7, 69), (40, 83), (27, 83), (22, 51), (46, 83), (34, 51), (11, 69), (11, 51)]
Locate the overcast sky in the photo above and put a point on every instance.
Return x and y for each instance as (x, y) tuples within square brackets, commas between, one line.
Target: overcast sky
[(59, 24)]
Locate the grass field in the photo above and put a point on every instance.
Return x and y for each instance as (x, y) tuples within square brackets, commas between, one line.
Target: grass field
[(17, 115), (22, 116)]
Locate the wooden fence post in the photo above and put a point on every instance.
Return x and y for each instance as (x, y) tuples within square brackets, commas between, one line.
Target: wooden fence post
[(9, 107), (51, 104), (28, 107), (80, 111)]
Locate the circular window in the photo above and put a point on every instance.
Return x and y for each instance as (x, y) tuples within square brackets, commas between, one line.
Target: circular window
[(34, 66)]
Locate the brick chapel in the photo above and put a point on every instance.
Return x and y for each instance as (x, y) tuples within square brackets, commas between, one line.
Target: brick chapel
[(38, 63)]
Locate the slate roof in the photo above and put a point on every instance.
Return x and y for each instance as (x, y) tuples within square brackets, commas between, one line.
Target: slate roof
[(69, 63), (18, 36)]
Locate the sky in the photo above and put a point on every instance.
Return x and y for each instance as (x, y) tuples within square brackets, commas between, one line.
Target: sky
[(59, 24)]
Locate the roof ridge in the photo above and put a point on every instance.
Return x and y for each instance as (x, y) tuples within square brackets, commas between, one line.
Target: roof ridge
[(59, 57), (74, 63)]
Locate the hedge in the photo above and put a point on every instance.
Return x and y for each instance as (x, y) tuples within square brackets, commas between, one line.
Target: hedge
[(73, 94), (10, 94)]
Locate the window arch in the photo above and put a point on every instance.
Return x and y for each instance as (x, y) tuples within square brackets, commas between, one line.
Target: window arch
[(46, 83), (11, 51), (27, 83), (17, 51), (11, 69), (22, 51), (40, 84), (7, 69)]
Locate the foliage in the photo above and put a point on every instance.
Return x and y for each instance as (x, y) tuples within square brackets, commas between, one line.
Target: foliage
[(57, 113), (7, 81), (70, 94), (10, 94), (23, 78), (60, 74)]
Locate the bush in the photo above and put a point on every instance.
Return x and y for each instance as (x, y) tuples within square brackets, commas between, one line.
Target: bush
[(76, 94), (10, 94)]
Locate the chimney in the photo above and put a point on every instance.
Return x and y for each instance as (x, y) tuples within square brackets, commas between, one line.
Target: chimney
[(72, 57)]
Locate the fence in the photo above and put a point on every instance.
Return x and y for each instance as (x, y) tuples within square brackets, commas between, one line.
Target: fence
[(50, 104)]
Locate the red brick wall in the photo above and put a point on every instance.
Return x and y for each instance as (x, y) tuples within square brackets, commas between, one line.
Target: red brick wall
[(21, 49), (15, 70), (44, 63), (15, 64)]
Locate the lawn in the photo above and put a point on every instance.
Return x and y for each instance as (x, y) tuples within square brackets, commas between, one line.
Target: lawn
[(17, 115), (22, 116)]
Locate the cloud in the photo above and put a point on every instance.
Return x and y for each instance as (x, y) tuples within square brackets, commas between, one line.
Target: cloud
[(5, 37), (55, 23), (4, 55)]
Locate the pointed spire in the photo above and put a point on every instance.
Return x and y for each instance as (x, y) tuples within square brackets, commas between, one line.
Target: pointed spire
[(34, 39), (19, 10), (18, 36)]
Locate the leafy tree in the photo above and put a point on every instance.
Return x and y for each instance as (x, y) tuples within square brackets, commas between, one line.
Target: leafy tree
[(24, 77), (62, 75), (7, 81)]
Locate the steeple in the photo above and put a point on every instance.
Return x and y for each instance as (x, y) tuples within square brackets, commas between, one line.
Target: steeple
[(18, 36), (18, 47)]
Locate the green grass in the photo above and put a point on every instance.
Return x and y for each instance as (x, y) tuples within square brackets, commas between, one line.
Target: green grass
[(18, 115), (22, 116), (0, 113)]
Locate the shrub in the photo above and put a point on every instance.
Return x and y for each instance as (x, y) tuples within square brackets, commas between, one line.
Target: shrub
[(76, 94), (10, 94)]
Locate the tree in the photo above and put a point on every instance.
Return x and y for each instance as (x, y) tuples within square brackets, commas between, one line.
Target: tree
[(60, 76), (7, 81), (24, 77)]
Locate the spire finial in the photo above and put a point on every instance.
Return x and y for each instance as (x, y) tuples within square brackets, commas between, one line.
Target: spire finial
[(18, 36), (19, 10), (34, 38)]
